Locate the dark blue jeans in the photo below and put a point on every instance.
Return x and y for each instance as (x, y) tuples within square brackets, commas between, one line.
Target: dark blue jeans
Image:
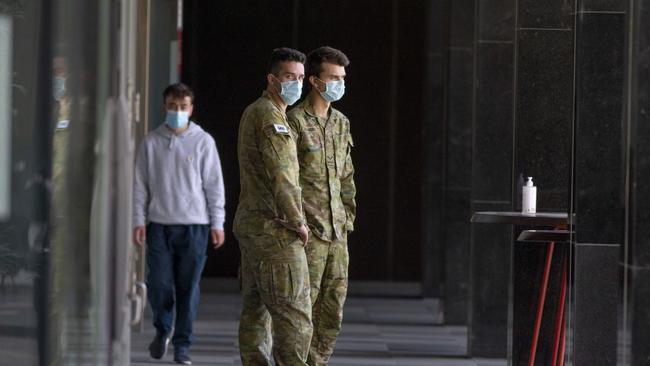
[(175, 258)]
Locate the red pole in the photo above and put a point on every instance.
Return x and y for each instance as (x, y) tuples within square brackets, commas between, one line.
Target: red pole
[(540, 304), (559, 317), (563, 342)]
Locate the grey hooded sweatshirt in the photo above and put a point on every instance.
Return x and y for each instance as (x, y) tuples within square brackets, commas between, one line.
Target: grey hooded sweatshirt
[(178, 179)]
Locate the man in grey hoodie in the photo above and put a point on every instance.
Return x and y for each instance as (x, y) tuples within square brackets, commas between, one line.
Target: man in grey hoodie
[(178, 194)]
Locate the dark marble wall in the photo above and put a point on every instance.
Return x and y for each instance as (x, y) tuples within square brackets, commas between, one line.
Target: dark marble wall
[(544, 102), (543, 150), (490, 262), (595, 303), (555, 133), (599, 157), (563, 124), (599, 180), (637, 247), (435, 110), (491, 188), (458, 160)]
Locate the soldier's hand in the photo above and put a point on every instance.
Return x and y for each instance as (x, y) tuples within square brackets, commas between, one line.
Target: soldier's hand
[(218, 238), (303, 233), (303, 230), (139, 235)]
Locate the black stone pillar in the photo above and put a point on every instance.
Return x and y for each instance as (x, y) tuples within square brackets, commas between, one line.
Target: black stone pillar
[(542, 149), (458, 160), (637, 246), (599, 180), (491, 177), (435, 91)]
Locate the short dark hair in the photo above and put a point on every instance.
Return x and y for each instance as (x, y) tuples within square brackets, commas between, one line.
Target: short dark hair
[(284, 54), (317, 57), (178, 91)]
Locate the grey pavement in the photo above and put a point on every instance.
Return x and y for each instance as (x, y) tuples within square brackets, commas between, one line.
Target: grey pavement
[(376, 332)]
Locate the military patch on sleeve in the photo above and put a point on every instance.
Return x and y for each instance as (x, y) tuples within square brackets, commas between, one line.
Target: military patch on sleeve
[(280, 129)]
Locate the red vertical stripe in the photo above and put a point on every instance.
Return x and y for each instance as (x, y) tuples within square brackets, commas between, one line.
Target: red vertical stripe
[(559, 317), (540, 303)]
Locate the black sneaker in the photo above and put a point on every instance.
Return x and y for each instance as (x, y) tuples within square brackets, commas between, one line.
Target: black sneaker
[(182, 357), (158, 347)]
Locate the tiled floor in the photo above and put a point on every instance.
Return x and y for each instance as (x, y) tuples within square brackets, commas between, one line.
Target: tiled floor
[(376, 332)]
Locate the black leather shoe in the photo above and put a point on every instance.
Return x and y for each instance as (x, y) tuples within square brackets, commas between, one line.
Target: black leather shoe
[(158, 347), (182, 357)]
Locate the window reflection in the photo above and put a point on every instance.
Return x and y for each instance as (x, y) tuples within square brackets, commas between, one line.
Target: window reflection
[(57, 247), (21, 226)]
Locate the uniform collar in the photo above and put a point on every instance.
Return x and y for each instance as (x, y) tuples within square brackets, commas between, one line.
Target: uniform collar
[(309, 108), (266, 95)]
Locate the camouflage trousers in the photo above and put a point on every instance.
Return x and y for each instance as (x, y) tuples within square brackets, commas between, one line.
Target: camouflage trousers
[(276, 304), (328, 276)]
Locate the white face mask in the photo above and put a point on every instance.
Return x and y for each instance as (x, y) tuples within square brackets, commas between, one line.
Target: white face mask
[(334, 90)]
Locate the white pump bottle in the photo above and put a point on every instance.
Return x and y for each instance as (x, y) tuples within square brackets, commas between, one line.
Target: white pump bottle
[(529, 198)]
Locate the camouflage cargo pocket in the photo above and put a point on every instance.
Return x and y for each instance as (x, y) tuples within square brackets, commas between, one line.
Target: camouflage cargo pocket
[(284, 281)]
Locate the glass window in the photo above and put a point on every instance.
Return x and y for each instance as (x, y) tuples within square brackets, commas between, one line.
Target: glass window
[(62, 301), (22, 164)]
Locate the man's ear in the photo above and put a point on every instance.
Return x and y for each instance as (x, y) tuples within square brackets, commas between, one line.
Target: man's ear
[(313, 80)]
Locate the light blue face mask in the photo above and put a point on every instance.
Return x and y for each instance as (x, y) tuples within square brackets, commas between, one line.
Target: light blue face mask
[(334, 90), (291, 91), (178, 119)]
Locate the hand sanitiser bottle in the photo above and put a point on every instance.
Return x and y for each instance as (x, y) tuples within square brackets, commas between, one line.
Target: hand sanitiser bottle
[(529, 198)]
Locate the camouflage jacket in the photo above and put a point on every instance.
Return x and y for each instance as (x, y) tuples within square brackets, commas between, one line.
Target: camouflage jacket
[(326, 170), (268, 173)]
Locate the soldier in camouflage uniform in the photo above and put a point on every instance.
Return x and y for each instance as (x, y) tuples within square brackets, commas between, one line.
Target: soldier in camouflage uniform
[(326, 177), (270, 225)]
